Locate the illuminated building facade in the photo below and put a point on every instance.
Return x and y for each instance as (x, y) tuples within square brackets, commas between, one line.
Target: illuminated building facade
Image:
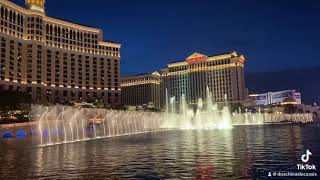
[(223, 75), (55, 60), (280, 97), (141, 90)]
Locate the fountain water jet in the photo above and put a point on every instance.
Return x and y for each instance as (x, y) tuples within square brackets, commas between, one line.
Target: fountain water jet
[(205, 115), (49, 130)]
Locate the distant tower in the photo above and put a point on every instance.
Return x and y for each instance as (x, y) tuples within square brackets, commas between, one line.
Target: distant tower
[(37, 5)]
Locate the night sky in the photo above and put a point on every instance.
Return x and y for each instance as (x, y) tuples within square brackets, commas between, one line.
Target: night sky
[(272, 34)]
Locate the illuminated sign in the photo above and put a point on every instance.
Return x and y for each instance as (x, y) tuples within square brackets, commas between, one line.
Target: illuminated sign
[(197, 59), (242, 59)]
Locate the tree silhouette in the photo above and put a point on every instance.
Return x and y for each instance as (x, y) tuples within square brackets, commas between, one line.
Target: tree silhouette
[(14, 100)]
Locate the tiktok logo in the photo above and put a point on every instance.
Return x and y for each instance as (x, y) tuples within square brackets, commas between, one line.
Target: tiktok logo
[(306, 157)]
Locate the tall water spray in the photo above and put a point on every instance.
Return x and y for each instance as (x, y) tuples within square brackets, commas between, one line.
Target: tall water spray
[(59, 124), (205, 116), (75, 124)]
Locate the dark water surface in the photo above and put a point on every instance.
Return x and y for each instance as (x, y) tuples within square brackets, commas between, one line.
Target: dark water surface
[(240, 153)]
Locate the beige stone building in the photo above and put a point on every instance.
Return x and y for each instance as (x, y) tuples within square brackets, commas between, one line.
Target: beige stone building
[(141, 90), (223, 75), (55, 60)]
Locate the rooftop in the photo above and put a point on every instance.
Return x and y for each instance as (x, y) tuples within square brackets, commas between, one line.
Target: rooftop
[(139, 75)]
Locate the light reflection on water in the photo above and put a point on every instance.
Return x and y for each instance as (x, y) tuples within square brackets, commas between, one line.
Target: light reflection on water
[(241, 152)]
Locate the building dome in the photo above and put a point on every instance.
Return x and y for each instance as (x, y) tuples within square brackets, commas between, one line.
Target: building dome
[(37, 5)]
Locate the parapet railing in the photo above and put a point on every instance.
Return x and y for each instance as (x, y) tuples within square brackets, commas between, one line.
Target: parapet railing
[(18, 125)]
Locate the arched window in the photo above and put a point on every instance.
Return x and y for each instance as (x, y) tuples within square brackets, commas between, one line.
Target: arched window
[(14, 17), (2, 12), (51, 29), (6, 13), (71, 34), (47, 28), (18, 19), (10, 16), (55, 30), (63, 33), (21, 19)]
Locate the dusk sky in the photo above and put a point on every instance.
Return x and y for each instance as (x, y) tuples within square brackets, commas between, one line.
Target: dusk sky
[(272, 34)]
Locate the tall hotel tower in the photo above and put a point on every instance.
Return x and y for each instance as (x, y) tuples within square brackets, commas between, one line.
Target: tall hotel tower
[(55, 60), (222, 75)]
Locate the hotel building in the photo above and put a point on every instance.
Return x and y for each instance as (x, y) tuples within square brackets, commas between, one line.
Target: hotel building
[(223, 75), (280, 97), (141, 90), (55, 60)]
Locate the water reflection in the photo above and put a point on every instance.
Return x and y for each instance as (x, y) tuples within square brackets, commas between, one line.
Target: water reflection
[(242, 152)]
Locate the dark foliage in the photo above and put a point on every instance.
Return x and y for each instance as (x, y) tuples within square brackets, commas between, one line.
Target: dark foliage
[(14, 100)]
